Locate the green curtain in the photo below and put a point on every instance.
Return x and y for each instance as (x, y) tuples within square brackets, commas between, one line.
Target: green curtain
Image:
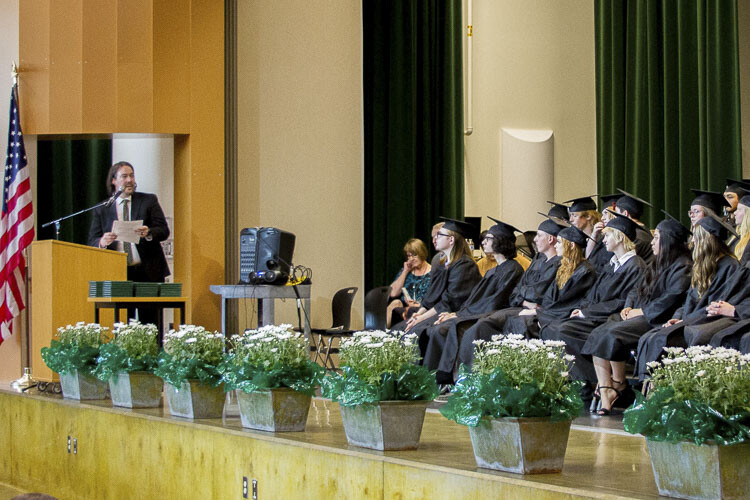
[(667, 99), (71, 176), (413, 126)]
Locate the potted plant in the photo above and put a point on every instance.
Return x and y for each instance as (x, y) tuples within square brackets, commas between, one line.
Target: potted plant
[(274, 379), (189, 364), (382, 393), (128, 363), (518, 403), (72, 354), (696, 421)]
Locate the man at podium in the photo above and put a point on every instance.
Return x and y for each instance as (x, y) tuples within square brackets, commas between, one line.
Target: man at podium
[(146, 261)]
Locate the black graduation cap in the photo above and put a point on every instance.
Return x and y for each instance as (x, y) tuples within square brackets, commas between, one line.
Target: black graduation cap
[(581, 204), (608, 200), (745, 200), (574, 235), (631, 203), (551, 226), (558, 210), (624, 224), (740, 188), (715, 226), (502, 230), (673, 226), (463, 228), (709, 199)]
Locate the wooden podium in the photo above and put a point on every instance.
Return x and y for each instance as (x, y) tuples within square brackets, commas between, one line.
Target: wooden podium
[(59, 288)]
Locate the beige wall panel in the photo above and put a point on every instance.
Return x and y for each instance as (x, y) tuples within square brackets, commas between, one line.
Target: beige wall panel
[(533, 69), (300, 156), (135, 66), (99, 87), (66, 55), (172, 66), (33, 41), (199, 168)]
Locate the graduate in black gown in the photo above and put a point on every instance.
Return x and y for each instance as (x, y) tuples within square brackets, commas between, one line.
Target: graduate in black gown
[(528, 293), (631, 206), (596, 252), (490, 294), (733, 193), (648, 305), (713, 266), (574, 277), (704, 203), (452, 284), (606, 297)]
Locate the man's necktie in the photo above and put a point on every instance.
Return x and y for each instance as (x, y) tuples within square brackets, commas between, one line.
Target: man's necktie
[(125, 244)]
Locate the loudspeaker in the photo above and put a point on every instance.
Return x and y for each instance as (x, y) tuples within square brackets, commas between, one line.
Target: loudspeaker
[(265, 255)]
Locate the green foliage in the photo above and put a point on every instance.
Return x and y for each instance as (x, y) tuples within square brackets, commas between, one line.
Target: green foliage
[(515, 377), (698, 394), (409, 383), (191, 353), (380, 366), (269, 358), (134, 349), (75, 348)]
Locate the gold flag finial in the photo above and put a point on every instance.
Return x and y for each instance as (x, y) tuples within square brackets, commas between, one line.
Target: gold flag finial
[(14, 73)]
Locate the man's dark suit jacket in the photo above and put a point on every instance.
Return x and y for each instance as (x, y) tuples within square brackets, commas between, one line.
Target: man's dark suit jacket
[(143, 206)]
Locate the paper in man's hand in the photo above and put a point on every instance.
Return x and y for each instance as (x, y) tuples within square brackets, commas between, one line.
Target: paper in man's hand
[(126, 230)]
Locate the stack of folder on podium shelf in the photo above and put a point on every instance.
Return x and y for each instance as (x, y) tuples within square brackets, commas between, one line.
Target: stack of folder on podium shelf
[(143, 289), (170, 289), (117, 289)]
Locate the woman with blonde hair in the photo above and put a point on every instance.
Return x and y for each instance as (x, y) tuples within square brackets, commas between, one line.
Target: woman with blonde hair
[(458, 274), (713, 267), (573, 279)]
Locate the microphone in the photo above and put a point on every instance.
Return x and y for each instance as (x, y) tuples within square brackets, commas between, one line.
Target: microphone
[(113, 198)]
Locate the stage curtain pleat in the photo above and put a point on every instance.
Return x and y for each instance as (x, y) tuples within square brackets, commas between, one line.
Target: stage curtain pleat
[(413, 126), (668, 99), (71, 176)]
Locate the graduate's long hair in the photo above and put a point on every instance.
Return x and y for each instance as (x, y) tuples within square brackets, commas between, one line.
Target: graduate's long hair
[(572, 256), (593, 216), (707, 251), (744, 231), (671, 248), (460, 247), (620, 237), (504, 246)]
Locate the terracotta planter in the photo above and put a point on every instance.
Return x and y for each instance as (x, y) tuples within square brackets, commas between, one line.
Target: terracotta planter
[(388, 425), (275, 410), (195, 400), (82, 387), (687, 470), (136, 390), (520, 445)]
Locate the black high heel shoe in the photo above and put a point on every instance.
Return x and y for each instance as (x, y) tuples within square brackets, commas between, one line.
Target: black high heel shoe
[(626, 396), (602, 412)]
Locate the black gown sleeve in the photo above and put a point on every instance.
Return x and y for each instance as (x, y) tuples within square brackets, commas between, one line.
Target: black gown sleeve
[(612, 289), (461, 277), (558, 304), (670, 295)]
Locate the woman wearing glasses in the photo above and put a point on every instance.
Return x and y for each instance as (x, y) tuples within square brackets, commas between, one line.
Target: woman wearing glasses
[(457, 274), (414, 277)]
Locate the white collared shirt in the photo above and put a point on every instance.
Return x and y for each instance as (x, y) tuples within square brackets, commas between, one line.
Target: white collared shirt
[(618, 263), (133, 249)]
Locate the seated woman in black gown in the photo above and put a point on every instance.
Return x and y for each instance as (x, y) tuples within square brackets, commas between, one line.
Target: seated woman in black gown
[(605, 298), (567, 291), (527, 294), (649, 305), (713, 267), (456, 275), (490, 294)]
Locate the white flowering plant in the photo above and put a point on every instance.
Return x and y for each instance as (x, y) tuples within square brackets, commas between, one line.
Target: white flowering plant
[(75, 348), (268, 358), (134, 349), (515, 377), (191, 352), (380, 366), (698, 394)]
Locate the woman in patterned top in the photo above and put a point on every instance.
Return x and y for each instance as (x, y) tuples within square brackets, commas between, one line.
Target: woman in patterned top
[(414, 277)]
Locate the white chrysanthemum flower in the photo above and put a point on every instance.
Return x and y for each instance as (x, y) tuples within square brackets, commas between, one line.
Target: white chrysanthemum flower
[(191, 340), (375, 344), (700, 373)]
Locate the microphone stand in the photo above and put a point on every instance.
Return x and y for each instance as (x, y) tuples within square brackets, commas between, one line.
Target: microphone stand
[(57, 222)]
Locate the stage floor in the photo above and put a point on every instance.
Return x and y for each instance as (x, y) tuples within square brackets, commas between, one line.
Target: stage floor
[(600, 462)]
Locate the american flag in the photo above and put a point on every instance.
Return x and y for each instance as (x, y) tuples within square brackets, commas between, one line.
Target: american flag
[(17, 225)]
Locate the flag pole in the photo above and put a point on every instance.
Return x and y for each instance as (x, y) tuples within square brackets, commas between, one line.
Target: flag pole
[(26, 381)]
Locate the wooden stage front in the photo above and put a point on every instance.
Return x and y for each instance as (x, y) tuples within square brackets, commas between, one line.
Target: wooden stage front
[(125, 453)]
